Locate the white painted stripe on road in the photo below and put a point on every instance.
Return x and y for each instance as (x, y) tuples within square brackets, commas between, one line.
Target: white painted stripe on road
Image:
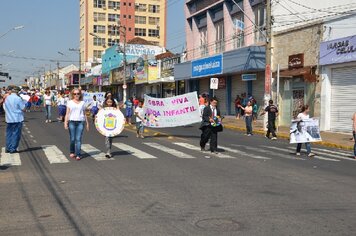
[(341, 155), (196, 148), (26, 128), (268, 152), (315, 157), (133, 151), (31, 136), (171, 151), (28, 132), (8, 159), (244, 153), (54, 155), (34, 141), (95, 153)]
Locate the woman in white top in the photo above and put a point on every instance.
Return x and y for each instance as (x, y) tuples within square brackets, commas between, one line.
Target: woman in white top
[(303, 116), (74, 120), (47, 104), (62, 106)]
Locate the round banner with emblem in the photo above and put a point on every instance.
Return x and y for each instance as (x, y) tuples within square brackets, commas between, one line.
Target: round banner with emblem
[(110, 121)]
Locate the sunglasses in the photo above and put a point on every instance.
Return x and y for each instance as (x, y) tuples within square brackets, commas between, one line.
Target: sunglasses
[(76, 93)]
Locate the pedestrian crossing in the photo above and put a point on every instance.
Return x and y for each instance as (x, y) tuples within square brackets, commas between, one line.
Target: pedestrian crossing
[(180, 150)]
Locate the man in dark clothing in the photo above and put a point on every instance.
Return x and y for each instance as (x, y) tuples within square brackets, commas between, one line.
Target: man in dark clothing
[(272, 114), (209, 130)]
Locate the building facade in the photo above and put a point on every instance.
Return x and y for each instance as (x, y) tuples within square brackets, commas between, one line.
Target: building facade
[(100, 20)]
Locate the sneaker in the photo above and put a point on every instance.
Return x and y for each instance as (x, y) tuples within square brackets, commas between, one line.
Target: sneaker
[(141, 136), (249, 134), (298, 154), (202, 149), (274, 138), (214, 152), (311, 154), (49, 121), (46, 121), (108, 155), (266, 136), (137, 136), (78, 158)]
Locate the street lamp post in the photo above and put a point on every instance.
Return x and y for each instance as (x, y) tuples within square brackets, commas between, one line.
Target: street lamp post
[(14, 28), (124, 87)]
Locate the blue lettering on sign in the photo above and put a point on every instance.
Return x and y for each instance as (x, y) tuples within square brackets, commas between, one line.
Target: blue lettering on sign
[(207, 66)]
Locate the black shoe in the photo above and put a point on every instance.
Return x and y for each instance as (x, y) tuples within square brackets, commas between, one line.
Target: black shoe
[(7, 151), (202, 149)]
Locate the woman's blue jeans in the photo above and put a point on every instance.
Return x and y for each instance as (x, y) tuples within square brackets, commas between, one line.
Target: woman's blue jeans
[(248, 120), (48, 112), (75, 133)]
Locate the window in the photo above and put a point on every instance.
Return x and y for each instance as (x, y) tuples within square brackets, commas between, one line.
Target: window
[(141, 7), (260, 21), (114, 5), (153, 20), (124, 16), (153, 8), (153, 33), (99, 3), (154, 43), (99, 16), (140, 32), (99, 41), (129, 16), (112, 42), (99, 29), (140, 19), (238, 35), (113, 30), (203, 34), (129, 4), (219, 37), (113, 17), (97, 53)]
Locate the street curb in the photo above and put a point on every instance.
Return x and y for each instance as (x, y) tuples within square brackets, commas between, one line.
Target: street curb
[(284, 136)]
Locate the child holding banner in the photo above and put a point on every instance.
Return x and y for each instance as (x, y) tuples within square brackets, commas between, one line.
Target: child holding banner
[(109, 102), (303, 116)]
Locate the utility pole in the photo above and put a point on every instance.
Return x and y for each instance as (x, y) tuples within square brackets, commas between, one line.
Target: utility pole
[(268, 71), (124, 86), (57, 70)]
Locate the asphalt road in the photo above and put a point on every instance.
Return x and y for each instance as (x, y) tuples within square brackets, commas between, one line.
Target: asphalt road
[(164, 185)]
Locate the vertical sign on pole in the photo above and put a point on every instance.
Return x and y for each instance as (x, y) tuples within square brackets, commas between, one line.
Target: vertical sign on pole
[(214, 84)]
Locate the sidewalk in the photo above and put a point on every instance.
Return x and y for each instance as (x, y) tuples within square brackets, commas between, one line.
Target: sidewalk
[(335, 140)]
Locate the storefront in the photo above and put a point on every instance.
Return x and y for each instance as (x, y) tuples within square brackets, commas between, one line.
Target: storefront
[(338, 61), (230, 68)]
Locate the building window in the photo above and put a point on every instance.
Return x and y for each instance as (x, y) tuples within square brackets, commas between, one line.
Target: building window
[(113, 17), (238, 36), (113, 30), (153, 33), (124, 3), (99, 41), (153, 20), (114, 5), (219, 37), (153, 8), (124, 16), (129, 16), (203, 35), (99, 16), (99, 3), (97, 53), (140, 7), (140, 32), (260, 21), (154, 43), (99, 29), (112, 42), (129, 4), (140, 19)]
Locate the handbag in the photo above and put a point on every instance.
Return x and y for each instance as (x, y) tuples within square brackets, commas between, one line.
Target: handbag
[(218, 128)]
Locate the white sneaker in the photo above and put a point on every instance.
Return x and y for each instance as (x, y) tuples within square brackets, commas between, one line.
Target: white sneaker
[(274, 138), (311, 154), (298, 154), (46, 121)]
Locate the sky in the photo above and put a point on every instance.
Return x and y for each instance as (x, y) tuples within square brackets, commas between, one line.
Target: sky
[(52, 26)]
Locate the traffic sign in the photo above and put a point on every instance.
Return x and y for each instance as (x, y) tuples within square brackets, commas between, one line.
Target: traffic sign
[(124, 86), (214, 83)]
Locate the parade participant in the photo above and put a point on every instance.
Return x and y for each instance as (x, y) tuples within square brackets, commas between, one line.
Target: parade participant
[(272, 114), (210, 126), (94, 107), (47, 104), (304, 114), (248, 117), (108, 102), (14, 117), (128, 110), (237, 107), (135, 102), (140, 117), (254, 109), (201, 100), (201, 107), (74, 120), (354, 132), (62, 106)]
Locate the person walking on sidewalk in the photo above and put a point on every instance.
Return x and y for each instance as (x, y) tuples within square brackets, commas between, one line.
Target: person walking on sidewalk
[(14, 107), (303, 116), (210, 121), (74, 121), (140, 117), (354, 132), (248, 117), (47, 104), (272, 114)]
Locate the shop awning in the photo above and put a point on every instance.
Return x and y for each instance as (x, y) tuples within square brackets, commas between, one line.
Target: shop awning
[(307, 72)]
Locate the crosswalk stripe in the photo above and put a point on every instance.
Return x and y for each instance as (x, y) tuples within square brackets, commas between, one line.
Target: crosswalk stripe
[(54, 155), (196, 148), (134, 151), (244, 153), (171, 151), (8, 159), (329, 156), (94, 152), (334, 152), (268, 152), (293, 149)]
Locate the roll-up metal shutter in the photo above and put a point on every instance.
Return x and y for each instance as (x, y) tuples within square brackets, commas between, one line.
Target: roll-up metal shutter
[(343, 95)]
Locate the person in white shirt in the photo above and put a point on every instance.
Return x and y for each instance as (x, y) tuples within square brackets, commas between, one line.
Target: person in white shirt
[(47, 104), (140, 117), (303, 116), (62, 106), (74, 121)]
